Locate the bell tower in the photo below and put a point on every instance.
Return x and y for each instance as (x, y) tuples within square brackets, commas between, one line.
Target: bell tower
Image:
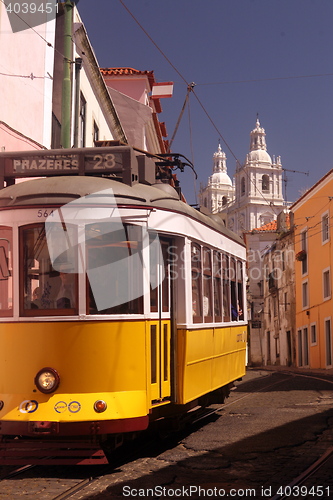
[(219, 192), (258, 183)]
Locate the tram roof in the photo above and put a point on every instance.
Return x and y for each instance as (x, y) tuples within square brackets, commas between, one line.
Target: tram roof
[(59, 190)]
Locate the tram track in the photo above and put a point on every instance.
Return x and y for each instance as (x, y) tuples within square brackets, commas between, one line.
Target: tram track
[(127, 456), (303, 477)]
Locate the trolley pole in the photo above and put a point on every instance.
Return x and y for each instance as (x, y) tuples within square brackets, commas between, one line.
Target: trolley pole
[(67, 84)]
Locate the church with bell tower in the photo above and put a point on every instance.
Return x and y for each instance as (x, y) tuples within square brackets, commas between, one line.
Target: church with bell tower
[(255, 197)]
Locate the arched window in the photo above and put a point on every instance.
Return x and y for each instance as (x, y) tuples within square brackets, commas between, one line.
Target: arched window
[(224, 201), (265, 182), (243, 186)]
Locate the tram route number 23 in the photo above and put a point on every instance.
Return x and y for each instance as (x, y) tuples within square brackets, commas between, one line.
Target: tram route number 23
[(104, 161)]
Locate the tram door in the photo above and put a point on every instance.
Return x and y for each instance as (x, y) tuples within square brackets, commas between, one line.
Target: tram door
[(160, 324)]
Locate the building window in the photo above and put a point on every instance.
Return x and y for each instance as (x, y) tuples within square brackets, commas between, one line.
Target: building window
[(325, 228), (283, 261), (305, 294), (285, 301), (304, 246), (95, 132), (265, 182), (328, 339), (83, 113), (326, 284), (275, 309), (243, 186), (313, 329)]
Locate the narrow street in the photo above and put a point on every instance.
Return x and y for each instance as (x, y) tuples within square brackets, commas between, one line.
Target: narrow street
[(272, 428)]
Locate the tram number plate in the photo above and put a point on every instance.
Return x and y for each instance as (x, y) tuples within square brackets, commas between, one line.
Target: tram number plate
[(43, 213), (104, 162)]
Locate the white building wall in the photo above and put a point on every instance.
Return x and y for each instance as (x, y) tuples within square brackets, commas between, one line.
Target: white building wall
[(26, 71)]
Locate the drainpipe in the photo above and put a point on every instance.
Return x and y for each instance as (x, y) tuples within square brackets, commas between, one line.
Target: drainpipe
[(67, 84), (78, 66)]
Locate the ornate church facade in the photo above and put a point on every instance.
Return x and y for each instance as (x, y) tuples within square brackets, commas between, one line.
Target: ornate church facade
[(255, 196)]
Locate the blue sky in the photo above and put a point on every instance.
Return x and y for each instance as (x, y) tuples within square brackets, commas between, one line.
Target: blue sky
[(244, 57)]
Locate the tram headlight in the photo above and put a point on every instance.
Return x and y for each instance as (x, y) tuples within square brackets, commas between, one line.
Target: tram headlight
[(47, 380)]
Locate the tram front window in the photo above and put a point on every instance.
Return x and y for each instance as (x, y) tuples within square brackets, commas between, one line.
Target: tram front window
[(47, 287), (114, 268), (6, 278)]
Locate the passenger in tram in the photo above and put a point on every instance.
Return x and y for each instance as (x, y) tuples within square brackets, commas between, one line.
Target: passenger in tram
[(36, 298), (65, 297), (236, 312)]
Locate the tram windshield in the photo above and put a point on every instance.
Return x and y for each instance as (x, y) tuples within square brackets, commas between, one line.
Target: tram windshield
[(48, 288), (6, 276), (114, 268)]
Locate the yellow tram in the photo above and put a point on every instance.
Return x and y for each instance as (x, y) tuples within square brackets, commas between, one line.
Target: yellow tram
[(120, 304)]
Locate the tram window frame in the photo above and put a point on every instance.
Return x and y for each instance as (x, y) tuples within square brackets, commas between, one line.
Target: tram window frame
[(133, 306), (225, 288), (53, 274), (6, 271), (153, 273), (207, 288), (223, 273), (217, 286), (159, 256), (239, 268), (196, 280), (233, 290)]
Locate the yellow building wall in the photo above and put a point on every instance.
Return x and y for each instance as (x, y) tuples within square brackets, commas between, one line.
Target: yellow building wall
[(308, 212)]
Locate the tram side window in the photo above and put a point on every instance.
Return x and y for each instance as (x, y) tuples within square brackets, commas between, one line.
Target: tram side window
[(217, 286), (196, 283), (233, 290), (6, 275), (114, 268), (159, 258), (236, 290), (240, 290), (48, 287), (207, 285), (226, 287)]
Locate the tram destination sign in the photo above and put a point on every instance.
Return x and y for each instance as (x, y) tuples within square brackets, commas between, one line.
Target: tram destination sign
[(117, 161), (28, 166)]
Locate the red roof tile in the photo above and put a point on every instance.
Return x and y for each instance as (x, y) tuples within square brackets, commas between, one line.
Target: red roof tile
[(270, 226), (128, 72)]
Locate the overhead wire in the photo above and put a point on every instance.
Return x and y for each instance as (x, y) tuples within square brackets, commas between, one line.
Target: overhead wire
[(28, 25), (49, 44), (31, 76), (186, 100), (258, 80)]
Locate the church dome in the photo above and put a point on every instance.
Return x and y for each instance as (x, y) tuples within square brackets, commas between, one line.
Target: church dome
[(259, 156), (220, 179)]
